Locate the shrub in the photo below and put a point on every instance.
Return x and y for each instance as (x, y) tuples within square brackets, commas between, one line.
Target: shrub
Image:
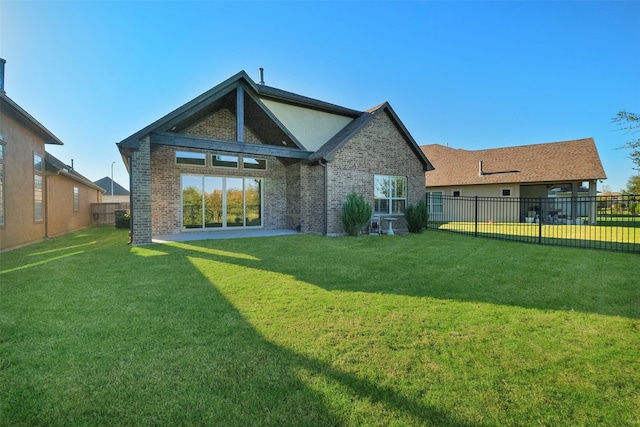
[(355, 214), (123, 219), (417, 217)]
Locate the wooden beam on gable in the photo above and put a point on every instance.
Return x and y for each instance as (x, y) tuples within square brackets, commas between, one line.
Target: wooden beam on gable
[(186, 141), (240, 114)]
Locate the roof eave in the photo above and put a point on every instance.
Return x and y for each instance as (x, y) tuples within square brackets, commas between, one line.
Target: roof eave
[(133, 141), (28, 120)]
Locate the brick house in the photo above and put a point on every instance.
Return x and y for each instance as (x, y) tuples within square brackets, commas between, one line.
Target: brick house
[(244, 155)]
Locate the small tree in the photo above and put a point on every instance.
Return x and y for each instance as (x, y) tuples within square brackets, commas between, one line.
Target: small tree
[(630, 122), (355, 214), (417, 217), (633, 185)]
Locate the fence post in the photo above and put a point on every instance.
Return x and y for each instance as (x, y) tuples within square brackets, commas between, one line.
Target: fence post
[(540, 220), (475, 230)]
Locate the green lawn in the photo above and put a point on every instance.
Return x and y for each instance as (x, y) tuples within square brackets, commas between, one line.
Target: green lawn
[(609, 234), (304, 330)]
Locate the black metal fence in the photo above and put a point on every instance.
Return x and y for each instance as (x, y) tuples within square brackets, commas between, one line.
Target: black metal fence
[(601, 222)]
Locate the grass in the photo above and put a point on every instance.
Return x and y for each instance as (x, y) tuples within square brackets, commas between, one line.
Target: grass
[(432, 329), (608, 234)]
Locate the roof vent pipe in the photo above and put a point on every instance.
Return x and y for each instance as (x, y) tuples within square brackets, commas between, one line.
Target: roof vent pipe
[(2, 62), (262, 76), (480, 171)]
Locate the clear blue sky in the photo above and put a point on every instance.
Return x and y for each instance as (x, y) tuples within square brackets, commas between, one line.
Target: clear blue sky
[(473, 75)]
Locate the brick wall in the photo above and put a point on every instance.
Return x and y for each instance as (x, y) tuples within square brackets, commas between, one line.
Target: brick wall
[(141, 193), (293, 194), (312, 198), (165, 184), (378, 148), (220, 125)]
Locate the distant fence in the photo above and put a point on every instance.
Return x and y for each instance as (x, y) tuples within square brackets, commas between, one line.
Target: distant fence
[(105, 213), (600, 222)]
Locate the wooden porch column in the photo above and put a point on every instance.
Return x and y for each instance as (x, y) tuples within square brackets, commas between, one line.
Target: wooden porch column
[(240, 114)]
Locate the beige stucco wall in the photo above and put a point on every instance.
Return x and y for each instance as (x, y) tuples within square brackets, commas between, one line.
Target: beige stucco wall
[(61, 217), (500, 209), (20, 227), (312, 128)]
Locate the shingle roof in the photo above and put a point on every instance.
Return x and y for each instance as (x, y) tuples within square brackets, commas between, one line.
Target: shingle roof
[(550, 162), (55, 165), (105, 184), (325, 151)]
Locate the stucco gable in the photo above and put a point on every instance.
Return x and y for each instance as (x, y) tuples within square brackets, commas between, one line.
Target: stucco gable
[(329, 150)]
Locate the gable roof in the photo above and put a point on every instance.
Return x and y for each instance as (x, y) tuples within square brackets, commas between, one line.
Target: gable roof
[(574, 160), (258, 92), (105, 184), (328, 150), (56, 166), (7, 105)]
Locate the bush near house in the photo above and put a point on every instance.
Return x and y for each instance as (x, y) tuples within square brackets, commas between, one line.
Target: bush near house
[(123, 219), (356, 212), (417, 217)]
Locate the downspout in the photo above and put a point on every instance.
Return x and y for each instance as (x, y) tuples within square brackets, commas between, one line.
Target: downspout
[(130, 200), (326, 201)]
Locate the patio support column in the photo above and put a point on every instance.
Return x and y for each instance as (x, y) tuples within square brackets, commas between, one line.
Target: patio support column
[(141, 193), (575, 187), (593, 202)]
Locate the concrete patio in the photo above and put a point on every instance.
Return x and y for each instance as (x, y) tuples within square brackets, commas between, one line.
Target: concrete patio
[(222, 234)]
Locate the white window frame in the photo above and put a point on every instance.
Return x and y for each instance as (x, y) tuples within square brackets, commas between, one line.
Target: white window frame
[(38, 162), (76, 199), (38, 198), (392, 195), (509, 189)]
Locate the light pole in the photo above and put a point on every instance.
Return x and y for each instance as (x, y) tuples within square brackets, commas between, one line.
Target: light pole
[(112, 163)]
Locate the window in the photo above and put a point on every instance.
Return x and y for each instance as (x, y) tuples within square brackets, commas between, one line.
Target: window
[(38, 193), (37, 198), (224, 161), (434, 201), (190, 158), (254, 163), (456, 193), (220, 202), (505, 192), (390, 194), (76, 199), (37, 162)]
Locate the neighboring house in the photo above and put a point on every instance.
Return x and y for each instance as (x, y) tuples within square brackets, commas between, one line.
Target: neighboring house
[(113, 192), (38, 197), (524, 173), (245, 155), (69, 197)]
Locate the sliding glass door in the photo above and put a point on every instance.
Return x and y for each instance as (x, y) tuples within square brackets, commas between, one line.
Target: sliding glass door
[(220, 202)]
